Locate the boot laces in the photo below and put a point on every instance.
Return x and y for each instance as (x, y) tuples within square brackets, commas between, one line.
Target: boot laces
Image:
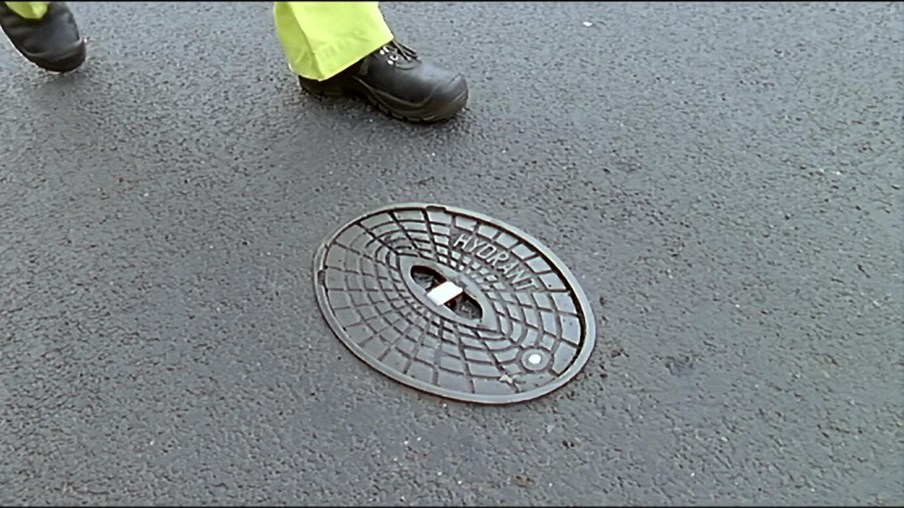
[(397, 51)]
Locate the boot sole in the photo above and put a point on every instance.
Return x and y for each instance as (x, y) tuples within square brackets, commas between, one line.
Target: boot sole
[(362, 90), (70, 61)]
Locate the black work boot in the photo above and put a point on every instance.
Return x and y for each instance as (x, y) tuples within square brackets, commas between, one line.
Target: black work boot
[(394, 80), (52, 42)]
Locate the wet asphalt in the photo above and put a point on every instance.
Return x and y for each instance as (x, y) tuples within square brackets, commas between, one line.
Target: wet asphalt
[(725, 181)]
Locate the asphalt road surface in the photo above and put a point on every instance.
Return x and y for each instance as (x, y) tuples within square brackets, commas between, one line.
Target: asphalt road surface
[(724, 180)]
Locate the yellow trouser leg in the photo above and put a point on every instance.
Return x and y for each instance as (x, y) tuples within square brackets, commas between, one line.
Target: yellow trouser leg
[(29, 10), (321, 39)]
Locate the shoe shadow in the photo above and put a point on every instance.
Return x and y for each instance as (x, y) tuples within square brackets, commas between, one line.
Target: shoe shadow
[(56, 79), (355, 110)]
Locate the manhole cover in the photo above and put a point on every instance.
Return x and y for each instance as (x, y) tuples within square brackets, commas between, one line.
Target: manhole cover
[(454, 303)]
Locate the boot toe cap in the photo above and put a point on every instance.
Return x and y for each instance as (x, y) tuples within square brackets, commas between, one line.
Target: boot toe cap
[(448, 99), (65, 60)]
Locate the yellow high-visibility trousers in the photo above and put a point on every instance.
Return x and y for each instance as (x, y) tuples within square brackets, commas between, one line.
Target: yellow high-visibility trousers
[(29, 10), (319, 39)]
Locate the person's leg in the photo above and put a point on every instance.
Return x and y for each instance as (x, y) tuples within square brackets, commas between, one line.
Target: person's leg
[(339, 48), (29, 10), (322, 39), (45, 33)]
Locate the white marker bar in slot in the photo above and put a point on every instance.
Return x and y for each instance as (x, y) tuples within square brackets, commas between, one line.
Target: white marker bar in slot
[(446, 291)]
